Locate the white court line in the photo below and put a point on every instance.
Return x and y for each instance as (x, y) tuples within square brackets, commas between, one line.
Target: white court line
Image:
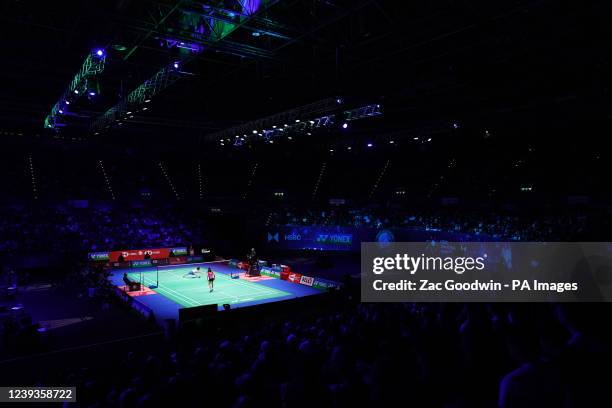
[(200, 289), (264, 292), (233, 299), (250, 285), (169, 292), (177, 294)]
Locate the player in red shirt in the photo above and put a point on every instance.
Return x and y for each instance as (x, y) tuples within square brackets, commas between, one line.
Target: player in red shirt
[(211, 279)]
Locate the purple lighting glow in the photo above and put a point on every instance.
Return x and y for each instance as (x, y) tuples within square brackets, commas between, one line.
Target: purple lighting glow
[(344, 125), (250, 6)]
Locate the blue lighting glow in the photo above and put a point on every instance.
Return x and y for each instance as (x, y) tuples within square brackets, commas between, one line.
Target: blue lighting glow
[(92, 93), (100, 52)]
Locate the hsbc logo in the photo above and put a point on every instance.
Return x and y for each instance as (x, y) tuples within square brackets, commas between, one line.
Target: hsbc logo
[(272, 237), (293, 237)]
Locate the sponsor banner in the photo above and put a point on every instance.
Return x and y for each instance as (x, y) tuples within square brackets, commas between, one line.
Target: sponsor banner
[(139, 254), (294, 277), (98, 256), (179, 251), (142, 264), (325, 284), (159, 262), (193, 259), (345, 238), (178, 260), (306, 280), (486, 272), (316, 238), (298, 278), (266, 271)]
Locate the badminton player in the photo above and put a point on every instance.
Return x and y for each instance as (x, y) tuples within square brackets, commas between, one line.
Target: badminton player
[(211, 279), (194, 273)]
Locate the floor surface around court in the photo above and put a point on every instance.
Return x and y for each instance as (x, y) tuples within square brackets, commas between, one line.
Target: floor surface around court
[(176, 291)]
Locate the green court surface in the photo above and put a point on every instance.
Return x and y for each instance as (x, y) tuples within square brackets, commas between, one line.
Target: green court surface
[(189, 292)]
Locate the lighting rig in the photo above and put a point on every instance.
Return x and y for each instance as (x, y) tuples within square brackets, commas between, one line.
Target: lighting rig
[(302, 120), (200, 27), (139, 98), (81, 84)]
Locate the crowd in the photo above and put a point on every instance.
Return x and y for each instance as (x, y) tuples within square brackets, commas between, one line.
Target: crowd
[(426, 355), (511, 227), (62, 228)]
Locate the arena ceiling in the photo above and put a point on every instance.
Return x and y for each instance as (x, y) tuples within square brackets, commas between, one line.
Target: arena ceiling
[(430, 61)]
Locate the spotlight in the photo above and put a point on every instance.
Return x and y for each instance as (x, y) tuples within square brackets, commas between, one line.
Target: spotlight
[(370, 145), (147, 100), (297, 120), (67, 102), (145, 108), (92, 93), (339, 100), (76, 91), (60, 111), (176, 65), (392, 141), (331, 150), (349, 148), (128, 113), (289, 137), (429, 140), (344, 125), (99, 52), (274, 127), (455, 125)]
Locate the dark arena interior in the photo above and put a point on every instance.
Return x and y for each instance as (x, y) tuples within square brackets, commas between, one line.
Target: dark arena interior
[(187, 187)]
